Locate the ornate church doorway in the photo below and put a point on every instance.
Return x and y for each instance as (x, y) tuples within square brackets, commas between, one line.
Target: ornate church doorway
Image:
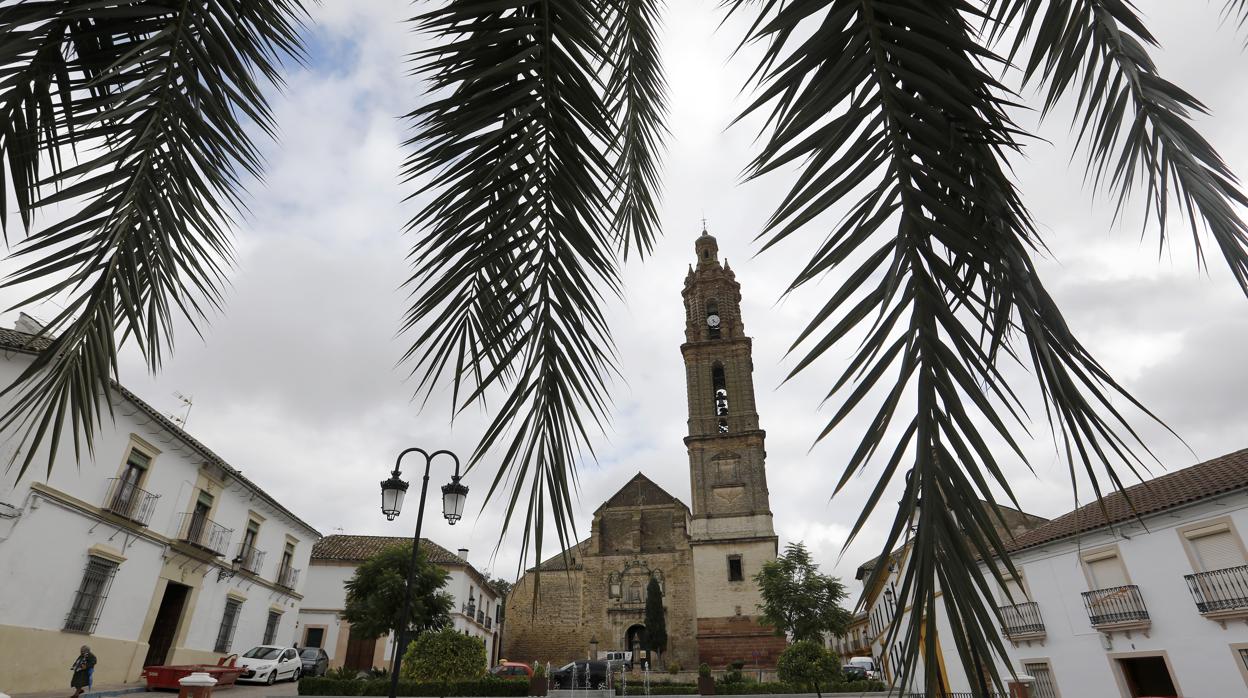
[(634, 638)]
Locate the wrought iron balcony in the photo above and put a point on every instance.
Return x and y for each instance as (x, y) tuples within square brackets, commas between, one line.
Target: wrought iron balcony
[(1116, 606), (480, 617), (204, 533), (1022, 620), (287, 577), (130, 502), (489, 622), (249, 558), (470, 609), (1220, 591)]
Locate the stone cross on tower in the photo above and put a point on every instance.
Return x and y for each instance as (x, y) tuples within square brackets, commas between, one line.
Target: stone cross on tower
[(731, 529)]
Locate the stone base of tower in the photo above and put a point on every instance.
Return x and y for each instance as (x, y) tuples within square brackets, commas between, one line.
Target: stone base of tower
[(722, 641)]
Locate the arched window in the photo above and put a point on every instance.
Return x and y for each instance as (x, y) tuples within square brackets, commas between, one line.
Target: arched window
[(719, 386), (634, 591)]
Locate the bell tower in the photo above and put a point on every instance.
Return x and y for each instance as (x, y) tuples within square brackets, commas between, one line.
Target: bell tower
[(731, 526)]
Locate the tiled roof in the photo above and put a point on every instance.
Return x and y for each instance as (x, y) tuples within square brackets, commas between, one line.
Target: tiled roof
[(360, 548), (21, 341), (348, 548), (1193, 483), (574, 560)]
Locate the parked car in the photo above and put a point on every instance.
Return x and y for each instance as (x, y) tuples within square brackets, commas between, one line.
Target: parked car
[(582, 674), (617, 659), (315, 661), (852, 672), (867, 664), (270, 663), (512, 670)]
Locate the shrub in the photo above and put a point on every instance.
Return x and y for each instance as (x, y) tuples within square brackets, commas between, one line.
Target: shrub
[(379, 687), (673, 667), (539, 671), (806, 663), (704, 670), (667, 689), (444, 656)]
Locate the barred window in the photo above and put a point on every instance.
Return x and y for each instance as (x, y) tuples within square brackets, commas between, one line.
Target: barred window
[(1045, 686), (229, 621), (84, 613), (270, 629)]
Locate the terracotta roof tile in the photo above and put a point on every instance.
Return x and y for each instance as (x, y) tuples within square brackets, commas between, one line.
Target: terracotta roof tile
[(359, 548), (1193, 483)]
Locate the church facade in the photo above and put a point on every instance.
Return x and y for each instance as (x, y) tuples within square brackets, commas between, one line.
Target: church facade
[(705, 556)]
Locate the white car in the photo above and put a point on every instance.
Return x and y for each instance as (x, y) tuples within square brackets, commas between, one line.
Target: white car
[(270, 663), (867, 664)]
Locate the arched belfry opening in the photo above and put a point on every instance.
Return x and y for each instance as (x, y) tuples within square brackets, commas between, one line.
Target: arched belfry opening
[(719, 386)]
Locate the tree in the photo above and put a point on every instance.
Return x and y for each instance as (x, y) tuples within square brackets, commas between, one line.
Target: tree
[(807, 664), (798, 600), (374, 604), (502, 587), (655, 639), (536, 150), (446, 655)]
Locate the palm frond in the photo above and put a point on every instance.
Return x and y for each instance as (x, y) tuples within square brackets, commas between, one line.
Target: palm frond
[(138, 110), (1134, 124), (539, 158), (893, 98)]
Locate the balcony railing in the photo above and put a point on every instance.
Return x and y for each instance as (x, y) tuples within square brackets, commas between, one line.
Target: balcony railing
[(287, 577), (489, 622), (1021, 619), (1115, 605), (202, 532), (249, 558), (129, 502), (470, 610), (480, 617), (1220, 590)]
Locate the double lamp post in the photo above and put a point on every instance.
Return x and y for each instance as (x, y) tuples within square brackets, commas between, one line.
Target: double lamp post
[(393, 489)]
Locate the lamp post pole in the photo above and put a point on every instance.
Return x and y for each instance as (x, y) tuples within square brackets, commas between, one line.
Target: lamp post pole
[(400, 640)]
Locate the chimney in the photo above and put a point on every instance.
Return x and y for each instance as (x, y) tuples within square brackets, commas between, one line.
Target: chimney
[(463, 554), (27, 324)]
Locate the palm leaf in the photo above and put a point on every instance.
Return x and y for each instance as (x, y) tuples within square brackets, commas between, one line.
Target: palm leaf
[(136, 109), (539, 160)]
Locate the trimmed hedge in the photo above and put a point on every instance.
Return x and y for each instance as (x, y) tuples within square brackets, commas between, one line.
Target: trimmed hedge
[(661, 689), (381, 687), (745, 689)]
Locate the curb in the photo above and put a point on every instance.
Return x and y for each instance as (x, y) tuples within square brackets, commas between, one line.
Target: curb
[(115, 692)]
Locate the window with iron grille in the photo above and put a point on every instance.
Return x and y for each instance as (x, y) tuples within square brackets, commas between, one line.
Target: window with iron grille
[(1044, 686), (270, 629), (84, 613), (229, 621)]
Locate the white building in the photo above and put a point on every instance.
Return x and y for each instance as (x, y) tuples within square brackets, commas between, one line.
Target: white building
[(476, 611), (152, 550), (1120, 606)]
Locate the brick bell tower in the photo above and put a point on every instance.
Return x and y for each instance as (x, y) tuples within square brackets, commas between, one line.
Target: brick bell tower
[(731, 529)]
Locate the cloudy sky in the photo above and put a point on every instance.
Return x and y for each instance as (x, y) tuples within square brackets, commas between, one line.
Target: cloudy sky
[(297, 383)]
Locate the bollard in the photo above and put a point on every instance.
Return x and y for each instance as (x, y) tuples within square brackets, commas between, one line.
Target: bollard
[(197, 685)]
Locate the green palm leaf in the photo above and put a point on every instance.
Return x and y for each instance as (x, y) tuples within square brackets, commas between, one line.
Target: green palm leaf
[(538, 158), (137, 109)]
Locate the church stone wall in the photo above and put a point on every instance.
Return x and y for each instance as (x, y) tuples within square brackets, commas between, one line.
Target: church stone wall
[(550, 630)]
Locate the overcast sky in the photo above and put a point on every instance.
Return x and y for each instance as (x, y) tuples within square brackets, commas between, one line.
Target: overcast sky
[(297, 383)]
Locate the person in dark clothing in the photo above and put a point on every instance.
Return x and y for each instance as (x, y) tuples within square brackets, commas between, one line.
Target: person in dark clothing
[(83, 667)]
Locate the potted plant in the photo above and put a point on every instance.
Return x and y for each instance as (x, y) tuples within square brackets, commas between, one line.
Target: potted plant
[(706, 683), (537, 682)]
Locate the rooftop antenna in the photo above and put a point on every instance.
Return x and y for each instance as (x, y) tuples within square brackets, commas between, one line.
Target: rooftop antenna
[(187, 402)]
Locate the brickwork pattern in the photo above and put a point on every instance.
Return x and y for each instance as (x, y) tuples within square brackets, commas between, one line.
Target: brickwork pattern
[(722, 641)]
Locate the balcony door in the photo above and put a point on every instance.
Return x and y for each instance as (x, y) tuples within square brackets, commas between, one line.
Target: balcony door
[(199, 518), (126, 498), (1106, 571)]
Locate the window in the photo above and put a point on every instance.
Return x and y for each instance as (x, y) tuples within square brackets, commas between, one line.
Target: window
[(1015, 592), (1215, 547), (229, 621), (84, 613), (1105, 570), (270, 628), (1044, 686), (735, 572), (313, 637), (720, 386)]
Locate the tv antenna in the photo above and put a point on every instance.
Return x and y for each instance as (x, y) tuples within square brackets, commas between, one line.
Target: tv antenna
[(187, 403)]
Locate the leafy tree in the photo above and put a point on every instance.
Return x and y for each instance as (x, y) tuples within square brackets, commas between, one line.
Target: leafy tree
[(446, 655), (536, 149), (807, 664), (798, 600), (655, 638), (502, 587), (374, 605)]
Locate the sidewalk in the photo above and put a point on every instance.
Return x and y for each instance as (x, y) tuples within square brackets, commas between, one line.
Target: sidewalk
[(99, 691)]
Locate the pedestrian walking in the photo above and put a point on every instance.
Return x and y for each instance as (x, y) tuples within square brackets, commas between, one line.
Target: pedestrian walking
[(83, 668)]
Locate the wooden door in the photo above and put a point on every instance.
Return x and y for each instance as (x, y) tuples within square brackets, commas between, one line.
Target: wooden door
[(359, 651)]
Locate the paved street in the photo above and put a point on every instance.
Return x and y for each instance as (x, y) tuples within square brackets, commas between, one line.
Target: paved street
[(242, 690)]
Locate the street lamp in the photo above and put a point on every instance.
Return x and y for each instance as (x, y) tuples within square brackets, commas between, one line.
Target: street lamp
[(393, 490)]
